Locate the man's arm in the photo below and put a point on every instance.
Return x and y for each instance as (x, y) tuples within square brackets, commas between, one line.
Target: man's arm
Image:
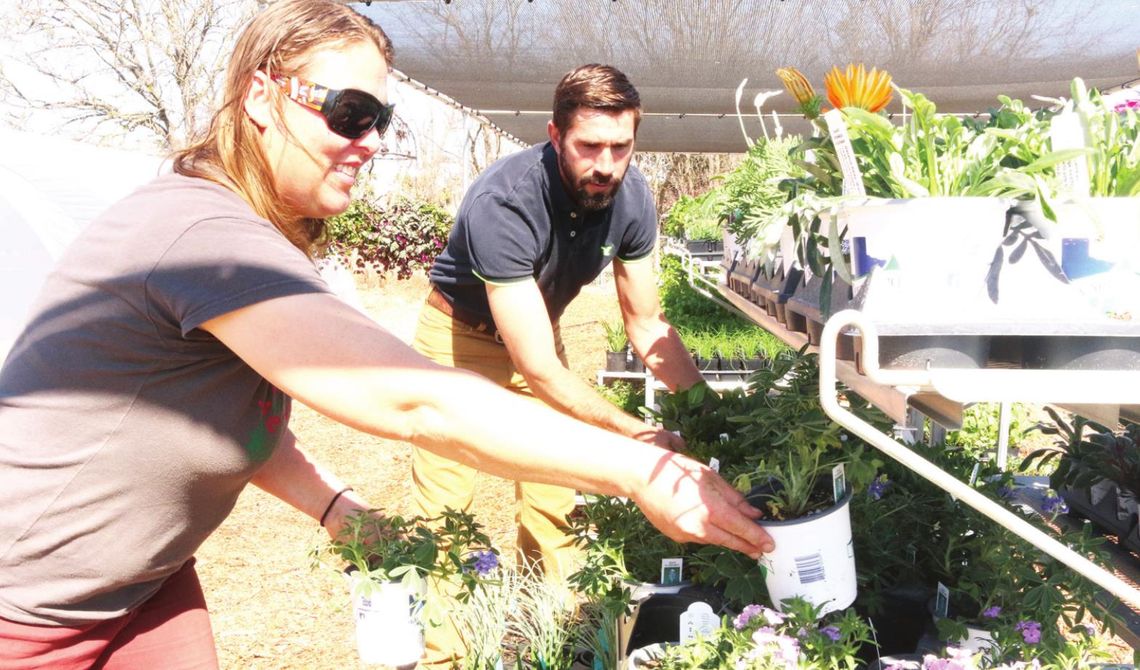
[(651, 335), (521, 317)]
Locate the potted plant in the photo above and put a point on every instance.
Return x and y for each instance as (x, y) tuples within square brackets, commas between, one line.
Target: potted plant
[(395, 566), (807, 513), (1097, 471), (759, 638), (640, 577), (614, 533), (617, 345), (704, 348)]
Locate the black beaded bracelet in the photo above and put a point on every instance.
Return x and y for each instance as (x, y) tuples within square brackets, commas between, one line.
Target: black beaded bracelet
[(333, 502)]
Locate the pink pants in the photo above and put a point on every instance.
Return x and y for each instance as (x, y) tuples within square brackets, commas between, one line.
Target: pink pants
[(171, 630)]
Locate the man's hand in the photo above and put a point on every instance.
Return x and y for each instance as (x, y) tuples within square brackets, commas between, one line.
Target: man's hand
[(688, 502), (659, 437)]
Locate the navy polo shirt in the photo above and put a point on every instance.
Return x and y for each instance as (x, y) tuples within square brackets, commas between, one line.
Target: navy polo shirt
[(517, 222)]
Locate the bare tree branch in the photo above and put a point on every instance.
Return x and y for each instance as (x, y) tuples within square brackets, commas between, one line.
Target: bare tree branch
[(144, 69)]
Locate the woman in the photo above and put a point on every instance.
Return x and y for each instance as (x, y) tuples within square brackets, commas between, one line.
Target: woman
[(154, 378)]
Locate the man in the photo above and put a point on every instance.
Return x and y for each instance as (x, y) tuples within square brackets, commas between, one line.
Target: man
[(532, 230)]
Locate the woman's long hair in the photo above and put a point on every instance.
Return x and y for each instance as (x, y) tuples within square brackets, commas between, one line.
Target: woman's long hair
[(278, 40)]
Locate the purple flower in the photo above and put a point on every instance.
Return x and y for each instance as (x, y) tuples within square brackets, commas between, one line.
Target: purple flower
[(1030, 631), (878, 487), (485, 562), (773, 646), (773, 617), (832, 632), (956, 659), (1053, 503), (746, 615), (992, 612)]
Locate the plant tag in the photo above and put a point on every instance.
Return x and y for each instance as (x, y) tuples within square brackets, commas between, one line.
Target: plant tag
[(671, 571), (838, 482), (852, 176), (714, 464), (1067, 132), (942, 601), (724, 438), (698, 619), (974, 473)]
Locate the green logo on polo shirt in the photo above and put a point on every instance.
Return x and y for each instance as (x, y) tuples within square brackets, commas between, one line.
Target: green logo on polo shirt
[(607, 249)]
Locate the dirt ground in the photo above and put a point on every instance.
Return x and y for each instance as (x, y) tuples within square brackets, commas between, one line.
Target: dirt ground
[(269, 608)]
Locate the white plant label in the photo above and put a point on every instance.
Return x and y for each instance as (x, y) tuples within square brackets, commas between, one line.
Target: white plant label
[(671, 571), (974, 473), (852, 176), (942, 601), (1067, 132), (724, 438), (714, 464), (838, 482), (698, 619)]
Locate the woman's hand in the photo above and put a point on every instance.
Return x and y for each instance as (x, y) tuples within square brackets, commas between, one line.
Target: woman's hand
[(689, 502)]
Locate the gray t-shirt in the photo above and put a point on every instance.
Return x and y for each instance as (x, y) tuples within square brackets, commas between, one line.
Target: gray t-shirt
[(126, 432)]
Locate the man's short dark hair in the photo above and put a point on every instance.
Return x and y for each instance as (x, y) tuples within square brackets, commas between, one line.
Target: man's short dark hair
[(596, 87)]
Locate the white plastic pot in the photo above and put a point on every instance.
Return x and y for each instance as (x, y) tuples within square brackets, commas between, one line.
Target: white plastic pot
[(814, 558), (978, 640), (387, 632), (920, 248)]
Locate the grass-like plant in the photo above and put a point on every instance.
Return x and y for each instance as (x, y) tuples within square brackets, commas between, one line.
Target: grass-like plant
[(545, 622), (483, 620), (616, 338)]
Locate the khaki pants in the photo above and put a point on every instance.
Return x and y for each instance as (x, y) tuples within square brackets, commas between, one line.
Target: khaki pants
[(440, 482)]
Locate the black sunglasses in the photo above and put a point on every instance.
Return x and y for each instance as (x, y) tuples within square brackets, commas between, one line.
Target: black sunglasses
[(349, 113)]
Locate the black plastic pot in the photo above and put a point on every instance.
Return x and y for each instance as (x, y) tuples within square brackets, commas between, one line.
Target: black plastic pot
[(1112, 514), (658, 618), (615, 361), (635, 362), (902, 621), (704, 246)]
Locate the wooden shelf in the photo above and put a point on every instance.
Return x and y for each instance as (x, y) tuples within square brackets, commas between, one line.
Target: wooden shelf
[(894, 401)]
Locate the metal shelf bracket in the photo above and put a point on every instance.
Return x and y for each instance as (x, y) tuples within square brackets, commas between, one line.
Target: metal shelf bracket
[(966, 384)]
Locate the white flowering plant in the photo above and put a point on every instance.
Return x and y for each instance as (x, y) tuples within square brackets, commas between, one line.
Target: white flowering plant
[(1081, 648), (760, 638)]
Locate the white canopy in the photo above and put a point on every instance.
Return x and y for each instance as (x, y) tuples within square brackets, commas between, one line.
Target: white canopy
[(687, 57)]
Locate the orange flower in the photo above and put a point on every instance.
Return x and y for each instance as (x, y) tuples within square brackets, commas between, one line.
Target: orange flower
[(858, 88), (801, 89)]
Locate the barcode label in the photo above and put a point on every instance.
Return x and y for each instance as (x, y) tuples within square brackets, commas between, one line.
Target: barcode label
[(810, 568)]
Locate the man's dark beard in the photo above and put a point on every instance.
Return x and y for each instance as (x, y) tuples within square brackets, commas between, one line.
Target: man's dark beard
[(591, 202)]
